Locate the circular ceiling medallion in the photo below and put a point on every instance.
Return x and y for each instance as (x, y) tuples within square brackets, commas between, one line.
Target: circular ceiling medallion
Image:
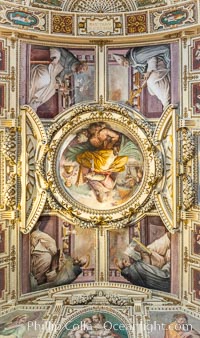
[(101, 163), (100, 166)]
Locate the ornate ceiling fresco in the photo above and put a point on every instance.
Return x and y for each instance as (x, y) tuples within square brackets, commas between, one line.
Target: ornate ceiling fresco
[(41, 18), (98, 6), (111, 6), (99, 169)]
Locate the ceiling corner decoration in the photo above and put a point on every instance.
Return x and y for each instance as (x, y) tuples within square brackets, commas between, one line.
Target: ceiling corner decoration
[(33, 190)]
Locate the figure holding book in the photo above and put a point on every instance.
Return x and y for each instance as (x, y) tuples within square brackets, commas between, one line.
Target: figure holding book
[(148, 266)]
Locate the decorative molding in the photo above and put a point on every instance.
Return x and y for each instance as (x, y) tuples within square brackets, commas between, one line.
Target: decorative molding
[(190, 215), (101, 43), (188, 260), (187, 77), (10, 77), (51, 4), (10, 259)]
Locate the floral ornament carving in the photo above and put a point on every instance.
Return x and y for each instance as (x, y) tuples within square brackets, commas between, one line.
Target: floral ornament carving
[(13, 258), (159, 166), (9, 145), (188, 192), (188, 146), (117, 121), (83, 299), (10, 194), (116, 300), (30, 176), (102, 222)]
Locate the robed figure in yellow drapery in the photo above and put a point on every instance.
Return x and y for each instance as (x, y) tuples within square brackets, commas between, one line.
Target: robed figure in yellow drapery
[(102, 157)]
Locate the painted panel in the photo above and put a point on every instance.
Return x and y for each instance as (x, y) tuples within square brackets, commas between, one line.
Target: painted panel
[(20, 18), (198, 170), (174, 17), (2, 57), (2, 281), (2, 97), (59, 254), (196, 55), (171, 324), (22, 323), (196, 240), (51, 3), (196, 283), (56, 78), (144, 77), (150, 3), (2, 239), (95, 324), (196, 97), (142, 255), (100, 167)]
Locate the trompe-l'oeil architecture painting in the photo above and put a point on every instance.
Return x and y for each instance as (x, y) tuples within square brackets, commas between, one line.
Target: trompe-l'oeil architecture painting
[(99, 169)]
